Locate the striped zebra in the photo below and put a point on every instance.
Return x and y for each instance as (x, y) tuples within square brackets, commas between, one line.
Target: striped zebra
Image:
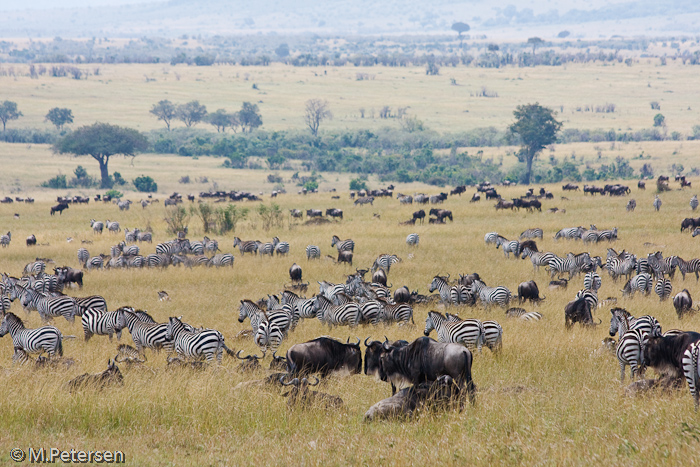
[(405, 199), (491, 238), (512, 246), (592, 281), (210, 245), (694, 202), (631, 205), (313, 252), (656, 264), (44, 339), (332, 315), (450, 295), (691, 370), (5, 239), (35, 267), (95, 302), (687, 267), (491, 295), (83, 256), (537, 258), (639, 283), (412, 239), (157, 261), (530, 316), (266, 248), (365, 200), (50, 307), (622, 321), (395, 312), (96, 262), (249, 309), (115, 250), (145, 334), (630, 351), (330, 290), (113, 227), (663, 288), (196, 247), (342, 245), (569, 233), (173, 247), (117, 262), (385, 261), (102, 323), (220, 260), (657, 202), (573, 264), (370, 312), (134, 261), (97, 226), (469, 332), (620, 265), (130, 236), (532, 233), (207, 343), (131, 250), (493, 332), (144, 237), (282, 248), (283, 317), (268, 336), (248, 246), (590, 296)]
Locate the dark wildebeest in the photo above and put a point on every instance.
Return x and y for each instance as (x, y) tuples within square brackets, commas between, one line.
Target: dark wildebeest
[(560, 283), (690, 223), (324, 355), (334, 212), (419, 215), (641, 185), (67, 275), (250, 363), (683, 303), (295, 273), (314, 213), (110, 377), (402, 295), (278, 363), (578, 311), (379, 277), (425, 360), (441, 214), (59, 208), (468, 279), (476, 197), (301, 395), (31, 240), (665, 354), (345, 257), (434, 395), (529, 291)]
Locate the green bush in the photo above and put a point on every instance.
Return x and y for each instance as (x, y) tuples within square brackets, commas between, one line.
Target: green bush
[(118, 179), (145, 184), (114, 194), (58, 182), (357, 184)]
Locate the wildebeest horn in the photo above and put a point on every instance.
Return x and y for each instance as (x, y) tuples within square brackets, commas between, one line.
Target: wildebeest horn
[(386, 339), (238, 354), (366, 341), (358, 342), (294, 382), (317, 381), (386, 345), (390, 285)]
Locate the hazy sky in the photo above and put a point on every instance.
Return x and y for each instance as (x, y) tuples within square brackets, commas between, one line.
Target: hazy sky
[(42, 4)]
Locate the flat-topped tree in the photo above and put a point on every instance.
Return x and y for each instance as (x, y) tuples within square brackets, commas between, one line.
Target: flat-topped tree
[(102, 141)]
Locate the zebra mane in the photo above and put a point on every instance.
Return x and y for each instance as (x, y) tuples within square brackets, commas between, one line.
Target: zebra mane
[(13, 319)]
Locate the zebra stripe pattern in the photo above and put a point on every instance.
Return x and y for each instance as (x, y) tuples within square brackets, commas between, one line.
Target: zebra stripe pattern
[(157, 261), (639, 283), (694, 202), (396, 312), (249, 246), (268, 336), (266, 248), (112, 226), (592, 281), (491, 295), (282, 248), (96, 262), (220, 260), (657, 202), (569, 233), (50, 307), (630, 351), (83, 256), (207, 343), (573, 264), (412, 239), (5, 239), (342, 245), (385, 262), (44, 339), (532, 233), (313, 252), (512, 246), (97, 226), (102, 323), (450, 295), (146, 335), (691, 370), (590, 296), (469, 332), (663, 289), (93, 301), (538, 258), (347, 314)]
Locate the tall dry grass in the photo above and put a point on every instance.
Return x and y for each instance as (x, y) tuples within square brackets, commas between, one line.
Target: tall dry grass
[(552, 397)]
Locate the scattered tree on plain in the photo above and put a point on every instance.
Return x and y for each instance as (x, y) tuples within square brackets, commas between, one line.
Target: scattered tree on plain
[(315, 112), (460, 27), (535, 42), (102, 141), (8, 111), (222, 120), (60, 117), (164, 110), (537, 128), (191, 113), (659, 120), (249, 117)]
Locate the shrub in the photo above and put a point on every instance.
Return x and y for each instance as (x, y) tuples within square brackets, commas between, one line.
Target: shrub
[(118, 179), (659, 120), (114, 193), (57, 182), (271, 215), (145, 184), (185, 179), (311, 185), (357, 184), (176, 217)]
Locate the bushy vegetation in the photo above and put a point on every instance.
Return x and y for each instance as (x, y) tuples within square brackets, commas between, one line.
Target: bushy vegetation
[(145, 184)]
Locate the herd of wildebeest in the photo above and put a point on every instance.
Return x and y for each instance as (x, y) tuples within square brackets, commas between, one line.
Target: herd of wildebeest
[(438, 373)]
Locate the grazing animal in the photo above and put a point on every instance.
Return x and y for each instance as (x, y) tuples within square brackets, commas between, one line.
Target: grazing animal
[(59, 208), (412, 239), (31, 240), (324, 356), (592, 281), (50, 307), (529, 291), (5, 240), (694, 202), (301, 395), (683, 303), (110, 377), (640, 283), (532, 233), (342, 245), (469, 332), (250, 363), (102, 323), (313, 252), (207, 343), (663, 288), (430, 395), (691, 370), (44, 339), (163, 296), (491, 295), (631, 205), (345, 257), (630, 351), (578, 311), (247, 246), (665, 354), (657, 202)]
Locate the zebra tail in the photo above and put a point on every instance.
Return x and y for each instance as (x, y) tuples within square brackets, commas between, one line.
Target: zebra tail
[(59, 349), (230, 352)]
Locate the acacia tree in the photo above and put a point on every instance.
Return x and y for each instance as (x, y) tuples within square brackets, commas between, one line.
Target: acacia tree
[(537, 128), (191, 113), (222, 120), (315, 112), (102, 141), (535, 42), (249, 117), (164, 110), (60, 117), (8, 111)]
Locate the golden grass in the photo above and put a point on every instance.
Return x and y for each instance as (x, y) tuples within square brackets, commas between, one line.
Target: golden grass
[(553, 397)]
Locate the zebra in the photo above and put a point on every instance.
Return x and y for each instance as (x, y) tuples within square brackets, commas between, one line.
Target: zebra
[(691, 370), (370, 312), (569, 233), (222, 259), (248, 309), (35, 267), (512, 246), (639, 283), (146, 335), (631, 205), (96, 262), (113, 227), (134, 261), (333, 315), (249, 246), (157, 260), (83, 256), (268, 336), (537, 258), (490, 295), (571, 264), (94, 302), (491, 237), (207, 343), (450, 295), (365, 200), (97, 226), (102, 323), (5, 239), (396, 312), (493, 335), (412, 239), (385, 262), (282, 248), (144, 237), (469, 332), (657, 202), (173, 247), (591, 281), (330, 290), (49, 307), (313, 252), (210, 245), (686, 267), (197, 248), (663, 288), (44, 339), (130, 236), (694, 202), (266, 248), (531, 316), (622, 321), (532, 233), (630, 351), (115, 250), (342, 245), (620, 265), (590, 296), (131, 250), (656, 264)]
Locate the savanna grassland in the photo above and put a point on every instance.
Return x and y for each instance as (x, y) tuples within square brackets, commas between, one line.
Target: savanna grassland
[(552, 397)]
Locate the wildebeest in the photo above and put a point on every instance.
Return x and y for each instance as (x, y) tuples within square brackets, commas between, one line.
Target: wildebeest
[(641, 185), (295, 272), (324, 355), (529, 291), (59, 208), (560, 283), (476, 197), (425, 360), (110, 377), (441, 214), (683, 303), (301, 395), (402, 295), (249, 364), (278, 363), (345, 257), (31, 240), (437, 394), (419, 215), (67, 275), (379, 277), (332, 212), (578, 311), (665, 354), (314, 213)]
